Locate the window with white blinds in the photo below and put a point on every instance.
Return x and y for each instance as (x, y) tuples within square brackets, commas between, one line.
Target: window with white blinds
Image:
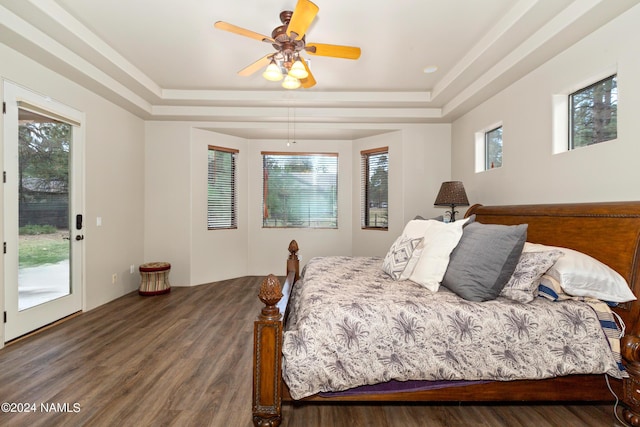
[(221, 188), (300, 190), (375, 188)]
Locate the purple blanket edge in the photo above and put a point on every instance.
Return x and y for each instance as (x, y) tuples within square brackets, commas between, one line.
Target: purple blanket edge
[(394, 386)]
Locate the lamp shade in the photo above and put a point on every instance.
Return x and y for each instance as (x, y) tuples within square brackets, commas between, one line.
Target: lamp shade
[(298, 71), (272, 72), (290, 82), (452, 193)]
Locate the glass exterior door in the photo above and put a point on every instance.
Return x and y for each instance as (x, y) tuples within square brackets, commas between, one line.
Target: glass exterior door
[(43, 209), (42, 199)]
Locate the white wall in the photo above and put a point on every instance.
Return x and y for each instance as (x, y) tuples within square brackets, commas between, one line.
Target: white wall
[(531, 173), (176, 205), (167, 195), (114, 177), (114, 159), (426, 164)]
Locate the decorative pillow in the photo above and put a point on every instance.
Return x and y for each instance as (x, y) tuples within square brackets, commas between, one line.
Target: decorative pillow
[(550, 289), (414, 229), (484, 260), (398, 256), (439, 240), (584, 276), (523, 284)]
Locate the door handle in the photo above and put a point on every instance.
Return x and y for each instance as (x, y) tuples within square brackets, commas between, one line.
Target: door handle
[(80, 237)]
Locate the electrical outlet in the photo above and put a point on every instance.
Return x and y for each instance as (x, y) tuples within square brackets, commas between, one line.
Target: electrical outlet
[(114, 278), (132, 268)]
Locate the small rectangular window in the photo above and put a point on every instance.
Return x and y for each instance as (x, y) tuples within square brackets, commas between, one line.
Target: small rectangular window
[(221, 189), (300, 190), (593, 113), (375, 188), (493, 148)]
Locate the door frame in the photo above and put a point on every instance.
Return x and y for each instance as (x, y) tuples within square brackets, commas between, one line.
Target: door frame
[(76, 301)]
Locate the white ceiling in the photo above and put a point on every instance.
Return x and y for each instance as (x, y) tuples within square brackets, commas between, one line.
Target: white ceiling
[(163, 60)]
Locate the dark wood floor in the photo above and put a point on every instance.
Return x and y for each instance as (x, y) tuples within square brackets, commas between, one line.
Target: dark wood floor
[(184, 359)]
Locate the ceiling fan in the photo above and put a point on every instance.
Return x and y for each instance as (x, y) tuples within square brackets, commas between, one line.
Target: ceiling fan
[(289, 41)]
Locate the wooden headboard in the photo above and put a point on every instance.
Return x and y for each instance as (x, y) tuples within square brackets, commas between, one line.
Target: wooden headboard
[(609, 232)]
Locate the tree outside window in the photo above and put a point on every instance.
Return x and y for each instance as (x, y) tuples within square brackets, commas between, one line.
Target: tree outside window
[(593, 115), (493, 148)]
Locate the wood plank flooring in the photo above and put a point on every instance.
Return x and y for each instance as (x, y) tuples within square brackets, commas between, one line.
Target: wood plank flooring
[(184, 359)]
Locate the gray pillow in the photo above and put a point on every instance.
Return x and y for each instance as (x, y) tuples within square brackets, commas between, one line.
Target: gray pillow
[(484, 260)]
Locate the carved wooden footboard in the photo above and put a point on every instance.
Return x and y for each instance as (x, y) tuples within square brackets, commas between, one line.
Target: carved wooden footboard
[(609, 232)]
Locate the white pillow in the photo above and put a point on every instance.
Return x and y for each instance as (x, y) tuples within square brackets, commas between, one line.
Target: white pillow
[(584, 276), (439, 240), (417, 228)]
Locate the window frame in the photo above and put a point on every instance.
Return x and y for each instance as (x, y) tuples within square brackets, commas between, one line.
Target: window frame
[(571, 119), (233, 200), (334, 197), (365, 156)]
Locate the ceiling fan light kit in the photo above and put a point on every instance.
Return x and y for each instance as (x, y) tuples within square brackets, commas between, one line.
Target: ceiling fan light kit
[(289, 40), (272, 72), (298, 71), (290, 82)]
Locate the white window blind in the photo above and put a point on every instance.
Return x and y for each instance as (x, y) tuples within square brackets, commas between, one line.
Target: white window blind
[(374, 184), (221, 188), (300, 190)]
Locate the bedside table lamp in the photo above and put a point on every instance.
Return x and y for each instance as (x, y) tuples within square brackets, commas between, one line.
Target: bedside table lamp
[(452, 194)]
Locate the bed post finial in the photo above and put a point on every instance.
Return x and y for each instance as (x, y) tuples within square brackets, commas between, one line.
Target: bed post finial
[(293, 263), (270, 293)]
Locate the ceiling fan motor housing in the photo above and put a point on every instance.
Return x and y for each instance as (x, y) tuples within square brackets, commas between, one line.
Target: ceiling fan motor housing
[(284, 44)]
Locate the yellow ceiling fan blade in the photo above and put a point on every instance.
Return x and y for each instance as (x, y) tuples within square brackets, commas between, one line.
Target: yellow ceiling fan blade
[(252, 68), (225, 26), (308, 81), (302, 17), (336, 51)]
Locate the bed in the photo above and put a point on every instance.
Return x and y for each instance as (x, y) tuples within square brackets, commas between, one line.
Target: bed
[(608, 232)]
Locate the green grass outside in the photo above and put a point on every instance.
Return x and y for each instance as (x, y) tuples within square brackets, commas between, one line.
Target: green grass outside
[(36, 249)]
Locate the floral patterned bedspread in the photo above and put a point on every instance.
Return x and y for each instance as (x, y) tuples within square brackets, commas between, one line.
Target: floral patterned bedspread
[(350, 325)]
